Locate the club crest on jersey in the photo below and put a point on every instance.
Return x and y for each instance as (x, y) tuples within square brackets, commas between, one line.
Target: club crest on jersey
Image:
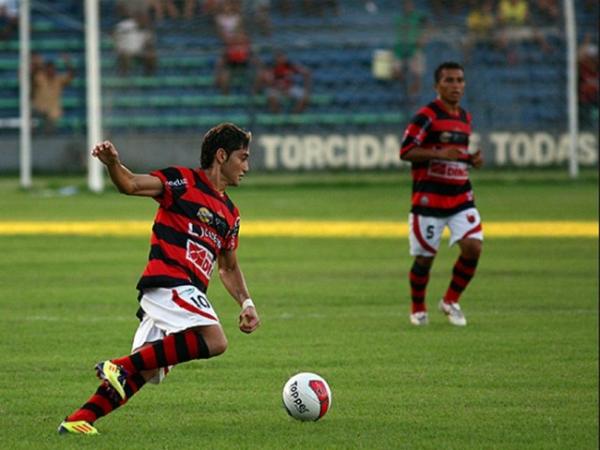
[(204, 215), (471, 218)]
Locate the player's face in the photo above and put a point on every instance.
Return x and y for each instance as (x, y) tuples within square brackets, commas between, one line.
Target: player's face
[(236, 166), (451, 86)]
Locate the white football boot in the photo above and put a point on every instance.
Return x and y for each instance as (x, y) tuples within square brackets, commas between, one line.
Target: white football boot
[(453, 312), (419, 318)]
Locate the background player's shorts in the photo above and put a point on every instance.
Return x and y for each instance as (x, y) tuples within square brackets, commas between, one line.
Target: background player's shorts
[(425, 232), (168, 311)]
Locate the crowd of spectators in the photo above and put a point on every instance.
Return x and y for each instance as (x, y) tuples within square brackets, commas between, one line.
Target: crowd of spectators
[(504, 24), (497, 25)]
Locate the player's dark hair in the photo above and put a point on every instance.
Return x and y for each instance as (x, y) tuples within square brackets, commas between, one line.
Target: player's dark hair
[(227, 136), (446, 65)]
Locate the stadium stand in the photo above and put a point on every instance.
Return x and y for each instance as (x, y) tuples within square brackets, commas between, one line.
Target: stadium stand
[(338, 49)]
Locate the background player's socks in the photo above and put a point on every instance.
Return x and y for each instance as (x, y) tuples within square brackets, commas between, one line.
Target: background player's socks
[(463, 271), (418, 278), (173, 349), (104, 400)]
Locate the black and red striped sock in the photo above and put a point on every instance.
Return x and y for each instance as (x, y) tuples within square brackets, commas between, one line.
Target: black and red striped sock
[(418, 278), (462, 273), (105, 401), (173, 349)]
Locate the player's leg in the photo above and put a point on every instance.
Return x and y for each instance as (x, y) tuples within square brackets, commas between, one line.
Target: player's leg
[(424, 236), (105, 399), (464, 268), (102, 402), (466, 231), (192, 332)]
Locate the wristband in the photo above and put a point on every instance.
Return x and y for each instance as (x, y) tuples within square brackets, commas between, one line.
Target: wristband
[(247, 303)]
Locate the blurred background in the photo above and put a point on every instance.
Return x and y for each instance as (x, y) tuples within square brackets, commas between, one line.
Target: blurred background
[(323, 85)]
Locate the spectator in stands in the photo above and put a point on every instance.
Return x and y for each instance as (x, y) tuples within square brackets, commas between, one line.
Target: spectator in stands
[(280, 82), (587, 58), (229, 20), (236, 61), (409, 64), (516, 26), (134, 41), (48, 86), (481, 23), (9, 18)]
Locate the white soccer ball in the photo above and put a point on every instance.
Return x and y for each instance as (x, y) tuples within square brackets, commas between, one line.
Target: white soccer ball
[(306, 396)]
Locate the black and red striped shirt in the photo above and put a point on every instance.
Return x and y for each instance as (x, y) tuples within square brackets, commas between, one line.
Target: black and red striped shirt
[(194, 222), (440, 188)]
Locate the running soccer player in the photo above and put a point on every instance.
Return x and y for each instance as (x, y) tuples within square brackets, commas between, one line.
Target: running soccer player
[(196, 227), (436, 143)]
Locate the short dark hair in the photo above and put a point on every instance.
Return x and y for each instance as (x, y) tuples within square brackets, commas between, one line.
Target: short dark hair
[(227, 136), (446, 65)]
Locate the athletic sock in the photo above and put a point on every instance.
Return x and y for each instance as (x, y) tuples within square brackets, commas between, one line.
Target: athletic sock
[(105, 401), (463, 271), (418, 278), (173, 349)]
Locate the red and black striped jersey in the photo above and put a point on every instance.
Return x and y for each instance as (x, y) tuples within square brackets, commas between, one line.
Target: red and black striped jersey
[(440, 188), (194, 222)]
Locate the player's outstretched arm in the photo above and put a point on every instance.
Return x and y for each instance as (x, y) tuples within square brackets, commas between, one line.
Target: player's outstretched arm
[(233, 280), (126, 181)]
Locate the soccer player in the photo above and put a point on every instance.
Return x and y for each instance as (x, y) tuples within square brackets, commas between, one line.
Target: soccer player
[(436, 143), (196, 226)]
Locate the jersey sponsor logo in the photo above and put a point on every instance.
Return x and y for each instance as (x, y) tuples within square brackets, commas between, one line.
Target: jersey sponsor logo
[(448, 170), (200, 257), (179, 183), (202, 233)]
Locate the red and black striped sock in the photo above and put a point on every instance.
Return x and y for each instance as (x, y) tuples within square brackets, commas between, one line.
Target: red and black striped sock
[(173, 349), (463, 271), (418, 278), (105, 401)]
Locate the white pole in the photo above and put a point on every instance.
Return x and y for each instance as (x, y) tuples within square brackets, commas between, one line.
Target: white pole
[(572, 99), (94, 108), (24, 89)]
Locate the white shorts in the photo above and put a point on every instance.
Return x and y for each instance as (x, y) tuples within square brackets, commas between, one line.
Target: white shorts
[(169, 311), (425, 232)]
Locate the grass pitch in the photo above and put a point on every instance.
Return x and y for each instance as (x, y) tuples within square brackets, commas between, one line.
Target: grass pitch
[(523, 374)]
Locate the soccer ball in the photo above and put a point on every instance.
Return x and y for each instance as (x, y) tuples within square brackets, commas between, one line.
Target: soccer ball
[(306, 396)]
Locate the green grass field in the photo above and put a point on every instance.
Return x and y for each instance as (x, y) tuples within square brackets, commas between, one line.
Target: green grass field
[(522, 375)]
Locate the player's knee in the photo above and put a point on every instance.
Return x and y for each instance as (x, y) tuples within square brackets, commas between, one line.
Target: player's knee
[(217, 346), (471, 249), (424, 261)]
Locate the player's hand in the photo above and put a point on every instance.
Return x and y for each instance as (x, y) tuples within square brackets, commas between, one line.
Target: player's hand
[(477, 159), (106, 152), (249, 320), (451, 154)]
